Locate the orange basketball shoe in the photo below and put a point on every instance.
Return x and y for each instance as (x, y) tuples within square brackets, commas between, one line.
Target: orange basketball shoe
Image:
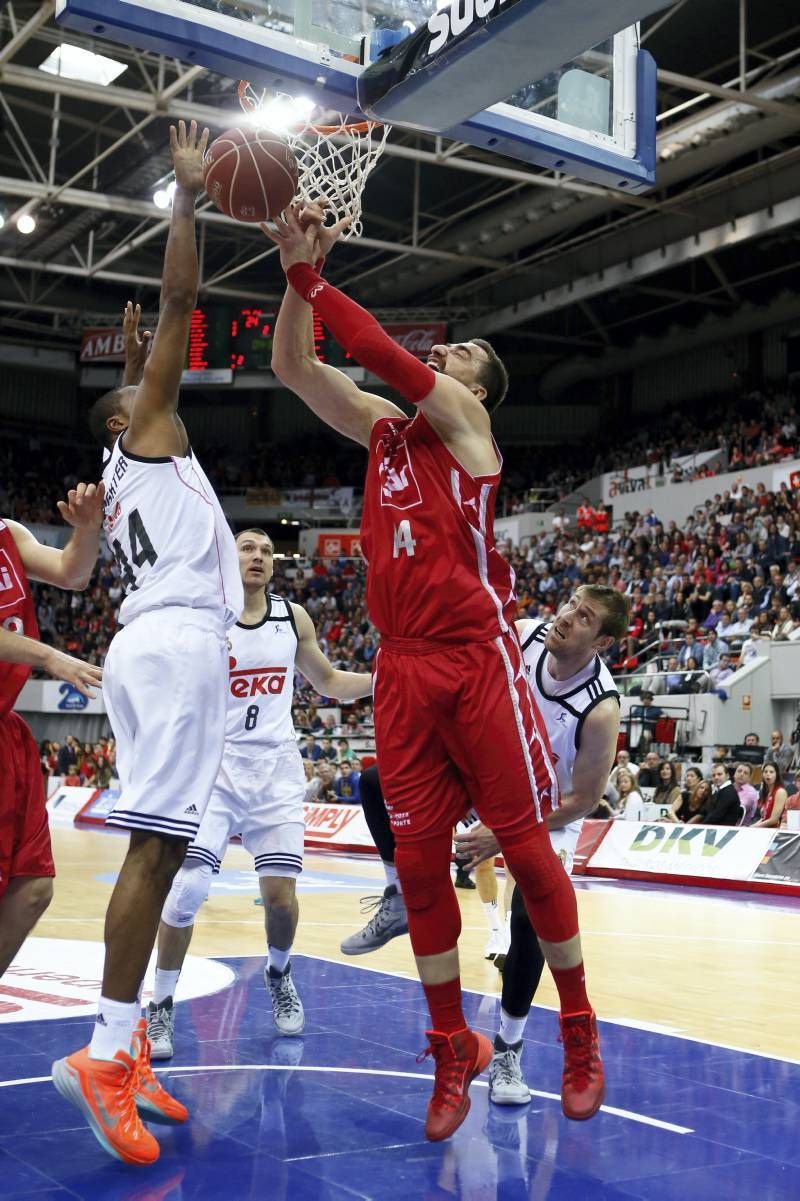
[(583, 1085), (459, 1058), (102, 1090), (153, 1102)]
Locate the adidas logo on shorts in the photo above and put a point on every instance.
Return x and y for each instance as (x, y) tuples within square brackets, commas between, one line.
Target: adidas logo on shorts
[(191, 810)]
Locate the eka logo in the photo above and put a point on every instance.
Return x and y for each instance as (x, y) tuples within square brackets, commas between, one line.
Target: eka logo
[(72, 701), (256, 681), (456, 19)]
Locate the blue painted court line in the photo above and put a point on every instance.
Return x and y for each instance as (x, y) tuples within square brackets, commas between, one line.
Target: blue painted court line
[(339, 1113)]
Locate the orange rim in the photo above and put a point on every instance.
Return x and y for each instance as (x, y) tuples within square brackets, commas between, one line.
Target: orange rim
[(343, 127)]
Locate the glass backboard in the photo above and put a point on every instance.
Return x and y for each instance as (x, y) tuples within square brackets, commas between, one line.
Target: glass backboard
[(591, 115)]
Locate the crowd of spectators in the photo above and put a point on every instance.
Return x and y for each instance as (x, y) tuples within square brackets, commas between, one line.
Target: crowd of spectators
[(92, 764), (724, 797)]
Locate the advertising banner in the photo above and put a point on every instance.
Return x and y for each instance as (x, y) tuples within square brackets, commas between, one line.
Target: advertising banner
[(102, 346), (334, 546), (340, 826), (417, 337), (781, 860), (50, 696), (664, 850)]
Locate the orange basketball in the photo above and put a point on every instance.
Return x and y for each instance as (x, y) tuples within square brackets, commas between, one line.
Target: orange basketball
[(249, 174)]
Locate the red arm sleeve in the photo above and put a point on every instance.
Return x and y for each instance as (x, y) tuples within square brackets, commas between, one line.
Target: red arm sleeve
[(361, 335)]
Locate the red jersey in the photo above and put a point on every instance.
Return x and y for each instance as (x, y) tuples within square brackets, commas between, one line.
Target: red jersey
[(427, 533), (17, 614)]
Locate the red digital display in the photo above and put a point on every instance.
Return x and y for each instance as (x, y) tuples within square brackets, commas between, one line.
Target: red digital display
[(198, 342)]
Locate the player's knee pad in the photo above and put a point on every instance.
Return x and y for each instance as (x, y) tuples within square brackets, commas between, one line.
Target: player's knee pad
[(434, 918), (545, 886), (189, 889)]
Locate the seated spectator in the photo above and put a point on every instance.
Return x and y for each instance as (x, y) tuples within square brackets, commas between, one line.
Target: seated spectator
[(344, 752), (347, 784), (751, 647), (792, 802), (667, 790), (648, 776), (772, 798), (748, 796), (321, 788), (312, 787), (713, 649), (725, 808), (693, 804), (740, 628), (694, 679), (722, 672), (688, 649), (751, 740), (623, 764), (647, 714), (328, 750), (630, 800), (309, 750), (784, 626), (674, 679), (779, 753), (691, 780)]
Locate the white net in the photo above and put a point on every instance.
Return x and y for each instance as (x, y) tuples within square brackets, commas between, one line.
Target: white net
[(334, 160)]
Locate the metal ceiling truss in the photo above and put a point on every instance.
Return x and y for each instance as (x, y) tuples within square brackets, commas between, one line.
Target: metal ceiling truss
[(84, 159)]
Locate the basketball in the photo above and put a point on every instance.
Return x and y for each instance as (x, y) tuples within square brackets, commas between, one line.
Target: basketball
[(249, 174)]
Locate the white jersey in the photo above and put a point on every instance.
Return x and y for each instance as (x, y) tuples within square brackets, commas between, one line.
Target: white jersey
[(259, 713), (168, 534), (564, 704)]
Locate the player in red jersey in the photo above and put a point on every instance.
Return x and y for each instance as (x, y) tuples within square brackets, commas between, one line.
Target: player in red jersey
[(455, 722), (26, 861)]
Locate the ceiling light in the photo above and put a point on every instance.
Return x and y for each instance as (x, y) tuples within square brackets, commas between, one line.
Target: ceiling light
[(2, 220), (283, 113), (72, 62), (26, 224), (162, 197)]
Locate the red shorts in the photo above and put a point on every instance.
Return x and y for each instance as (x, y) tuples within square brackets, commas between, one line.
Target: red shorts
[(457, 727), (24, 832)]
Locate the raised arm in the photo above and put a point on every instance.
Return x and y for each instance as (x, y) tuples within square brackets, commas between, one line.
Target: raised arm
[(136, 345), (327, 680), (454, 407), (155, 429), (72, 566), (329, 393)]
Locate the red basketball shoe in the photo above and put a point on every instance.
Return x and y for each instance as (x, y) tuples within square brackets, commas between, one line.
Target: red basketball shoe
[(583, 1085), (459, 1058)]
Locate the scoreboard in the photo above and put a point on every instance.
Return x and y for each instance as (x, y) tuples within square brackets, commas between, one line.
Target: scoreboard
[(241, 338)]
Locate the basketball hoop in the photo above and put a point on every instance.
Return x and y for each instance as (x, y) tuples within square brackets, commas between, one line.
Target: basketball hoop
[(333, 161)]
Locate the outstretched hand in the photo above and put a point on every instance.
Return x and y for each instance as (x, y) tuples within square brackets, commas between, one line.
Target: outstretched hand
[(136, 345), (83, 507), (187, 155), (301, 235)]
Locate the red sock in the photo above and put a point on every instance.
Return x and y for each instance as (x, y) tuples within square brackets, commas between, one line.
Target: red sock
[(444, 1002), (571, 985)]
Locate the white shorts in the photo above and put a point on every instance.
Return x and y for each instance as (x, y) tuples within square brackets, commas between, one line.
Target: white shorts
[(165, 688), (259, 797)]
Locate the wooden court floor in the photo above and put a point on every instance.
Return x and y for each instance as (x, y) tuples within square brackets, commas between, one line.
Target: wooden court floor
[(719, 967)]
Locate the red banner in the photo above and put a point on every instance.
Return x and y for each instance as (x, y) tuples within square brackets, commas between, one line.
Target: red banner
[(102, 346), (419, 336), (333, 546)]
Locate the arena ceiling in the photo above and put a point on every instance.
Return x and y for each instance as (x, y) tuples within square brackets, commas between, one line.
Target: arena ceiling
[(549, 267)]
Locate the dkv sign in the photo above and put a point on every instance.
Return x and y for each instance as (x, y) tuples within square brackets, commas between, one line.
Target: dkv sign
[(715, 852)]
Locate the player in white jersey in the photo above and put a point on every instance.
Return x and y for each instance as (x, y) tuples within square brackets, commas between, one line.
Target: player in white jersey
[(579, 703), (259, 792), (165, 678)]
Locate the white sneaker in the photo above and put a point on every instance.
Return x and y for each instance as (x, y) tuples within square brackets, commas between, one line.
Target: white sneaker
[(388, 921), (287, 1008), (506, 1083), (495, 943), (161, 1028)]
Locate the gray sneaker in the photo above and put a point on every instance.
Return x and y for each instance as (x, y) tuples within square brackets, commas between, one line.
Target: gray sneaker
[(506, 1083), (287, 1008), (389, 920), (161, 1028)]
